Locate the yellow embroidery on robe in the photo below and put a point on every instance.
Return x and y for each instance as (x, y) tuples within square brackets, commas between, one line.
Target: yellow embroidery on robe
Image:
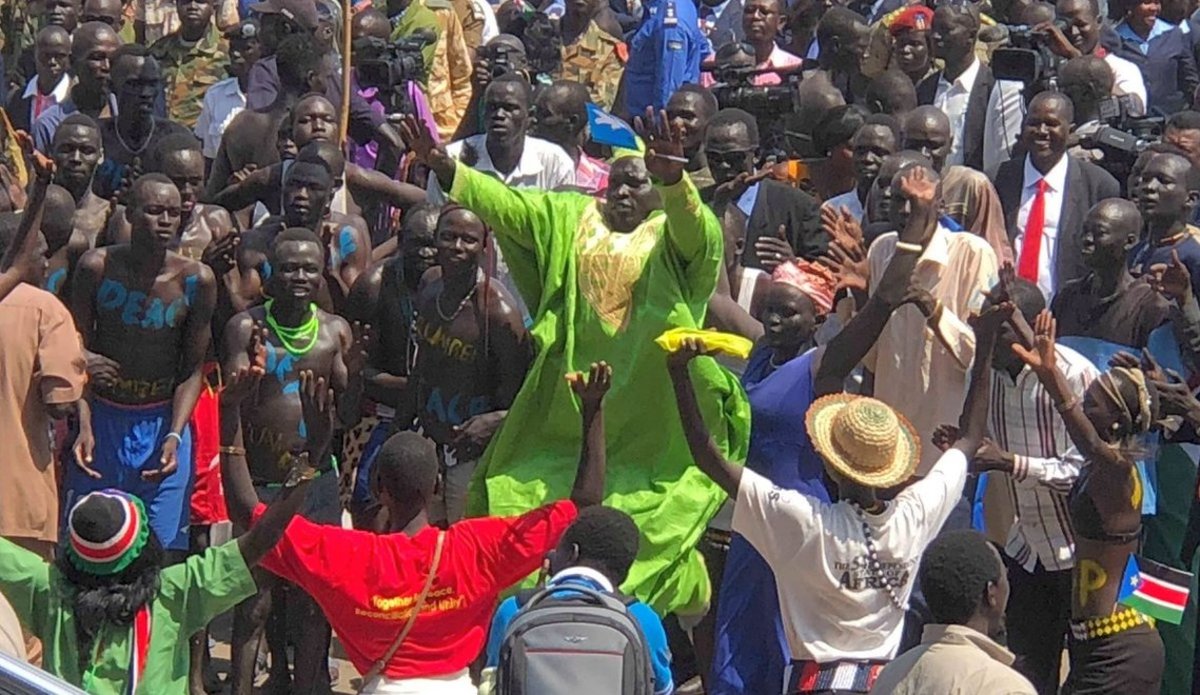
[(610, 263)]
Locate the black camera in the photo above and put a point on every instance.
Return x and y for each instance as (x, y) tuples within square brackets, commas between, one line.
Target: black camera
[(1119, 136), (390, 66), (503, 59), (736, 89), (1027, 58)]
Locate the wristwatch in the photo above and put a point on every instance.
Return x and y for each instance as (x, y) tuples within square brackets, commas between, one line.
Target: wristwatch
[(300, 471)]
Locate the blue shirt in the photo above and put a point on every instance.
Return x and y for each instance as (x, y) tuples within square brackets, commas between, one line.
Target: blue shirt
[(1127, 34), (47, 124), (664, 53), (651, 624)]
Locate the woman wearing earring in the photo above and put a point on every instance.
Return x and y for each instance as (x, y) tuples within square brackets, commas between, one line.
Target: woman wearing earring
[(1114, 649)]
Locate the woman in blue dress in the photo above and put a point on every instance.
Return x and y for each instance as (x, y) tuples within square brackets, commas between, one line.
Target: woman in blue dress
[(751, 650)]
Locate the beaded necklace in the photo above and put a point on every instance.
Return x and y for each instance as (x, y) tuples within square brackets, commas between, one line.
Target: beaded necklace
[(292, 337), (873, 564)]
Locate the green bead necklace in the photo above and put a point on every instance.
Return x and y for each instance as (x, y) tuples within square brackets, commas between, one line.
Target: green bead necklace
[(300, 340)]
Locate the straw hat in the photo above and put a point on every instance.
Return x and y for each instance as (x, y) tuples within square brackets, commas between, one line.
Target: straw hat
[(864, 439)]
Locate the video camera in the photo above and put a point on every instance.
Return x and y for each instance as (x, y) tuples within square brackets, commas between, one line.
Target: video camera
[(1027, 58), (390, 66), (736, 89), (1119, 136)]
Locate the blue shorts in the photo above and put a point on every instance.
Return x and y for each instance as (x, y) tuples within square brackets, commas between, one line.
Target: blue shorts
[(129, 440), (362, 495)]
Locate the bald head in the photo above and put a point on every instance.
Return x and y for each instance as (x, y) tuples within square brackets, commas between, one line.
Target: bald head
[(88, 36), (370, 24), (926, 129), (1110, 230), (1054, 101)]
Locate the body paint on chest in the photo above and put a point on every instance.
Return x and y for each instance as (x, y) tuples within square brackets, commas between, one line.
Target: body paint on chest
[(137, 309)]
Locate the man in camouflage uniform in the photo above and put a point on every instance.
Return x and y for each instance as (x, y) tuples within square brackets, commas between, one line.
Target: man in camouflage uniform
[(591, 55), (193, 59)]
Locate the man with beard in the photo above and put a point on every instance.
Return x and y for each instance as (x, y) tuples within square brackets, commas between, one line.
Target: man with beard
[(193, 60), (472, 355), (384, 297), (92, 48), (137, 84), (288, 336), (148, 310)]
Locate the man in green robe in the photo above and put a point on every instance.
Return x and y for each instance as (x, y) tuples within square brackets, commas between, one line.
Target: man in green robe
[(602, 280)]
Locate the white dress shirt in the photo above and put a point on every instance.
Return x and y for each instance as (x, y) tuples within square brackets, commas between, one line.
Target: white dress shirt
[(222, 102), (848, 200), (543, 165), (1127, 79), (1006, 110), (1024, 423), (57, 95), (1056, 182), (952, 98)]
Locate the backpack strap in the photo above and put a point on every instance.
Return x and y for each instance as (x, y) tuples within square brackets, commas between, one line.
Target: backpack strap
[(379, 665), (524, 595)]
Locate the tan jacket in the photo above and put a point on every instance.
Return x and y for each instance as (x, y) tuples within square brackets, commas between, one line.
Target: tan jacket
[(450, 74), (953, 660)]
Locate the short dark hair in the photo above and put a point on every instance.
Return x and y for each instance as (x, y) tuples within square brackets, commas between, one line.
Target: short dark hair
[(297, 55), (312, 159), (1028, 299), (407, 467), (572, 95), (81, 120), (884, 120), (607, 540), (175, 142), (130, 50), (135, 191), (954, 574), (707, 98), (326, 153), (838, 126), (423, 212), (893, 91), (297, 234), (726, 118), (513, 78), (837, 22), (1185, 120)]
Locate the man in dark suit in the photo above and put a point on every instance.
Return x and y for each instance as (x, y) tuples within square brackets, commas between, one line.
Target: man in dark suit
[(1046, 195), (963, 90), (768, 222), (51, 84)]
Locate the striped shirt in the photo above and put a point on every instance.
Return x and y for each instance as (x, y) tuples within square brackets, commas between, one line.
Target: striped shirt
[(1025, 423)]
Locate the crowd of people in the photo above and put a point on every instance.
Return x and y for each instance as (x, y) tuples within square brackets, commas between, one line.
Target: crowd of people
[(790, 347)]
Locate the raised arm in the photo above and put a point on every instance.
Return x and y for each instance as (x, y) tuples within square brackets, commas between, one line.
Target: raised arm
[(243, 364), (24, 260), (704, 450), (849, 347), (588, 489), (972, 425), (248, 191), (1041, 359)]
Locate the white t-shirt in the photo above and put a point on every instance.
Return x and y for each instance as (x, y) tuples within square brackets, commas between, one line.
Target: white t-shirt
[(832, 609)]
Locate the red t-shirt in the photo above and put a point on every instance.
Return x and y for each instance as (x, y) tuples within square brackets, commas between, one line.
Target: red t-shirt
[(367, 583)]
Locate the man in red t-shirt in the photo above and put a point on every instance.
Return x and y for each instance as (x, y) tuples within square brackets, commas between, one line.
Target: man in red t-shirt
[(368, 584)]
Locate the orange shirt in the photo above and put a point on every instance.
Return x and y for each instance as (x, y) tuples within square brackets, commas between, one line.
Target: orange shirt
[(41, 362)]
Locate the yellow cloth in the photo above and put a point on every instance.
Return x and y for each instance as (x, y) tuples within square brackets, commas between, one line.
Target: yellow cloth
[(724, 343)]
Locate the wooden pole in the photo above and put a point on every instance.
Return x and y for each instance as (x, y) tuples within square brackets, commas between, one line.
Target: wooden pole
[(347, 18)]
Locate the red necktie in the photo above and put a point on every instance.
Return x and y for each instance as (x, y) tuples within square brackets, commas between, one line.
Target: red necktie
[(1031, 245)]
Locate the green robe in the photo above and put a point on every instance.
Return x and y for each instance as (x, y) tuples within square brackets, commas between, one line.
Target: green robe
[(595, 294), (189, 596)]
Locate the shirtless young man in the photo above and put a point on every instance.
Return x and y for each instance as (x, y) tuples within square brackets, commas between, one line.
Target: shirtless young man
[(77, 151), (296, 336), (472, 355), (307, 195), (385, 297), (144, 313)]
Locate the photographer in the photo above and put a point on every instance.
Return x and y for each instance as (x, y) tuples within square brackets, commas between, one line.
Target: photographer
[(502, 55)]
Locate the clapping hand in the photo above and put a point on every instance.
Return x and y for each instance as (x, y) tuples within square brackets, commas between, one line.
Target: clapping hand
[(846, 255), (221, 255), (774, 251), (246, 379), (664, 146)]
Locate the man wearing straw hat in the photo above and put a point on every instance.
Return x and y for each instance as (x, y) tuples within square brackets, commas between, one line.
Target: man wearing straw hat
[(845, 622)]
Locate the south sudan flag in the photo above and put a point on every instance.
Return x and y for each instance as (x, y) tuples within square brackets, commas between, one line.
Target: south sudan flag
[(1155, 589)]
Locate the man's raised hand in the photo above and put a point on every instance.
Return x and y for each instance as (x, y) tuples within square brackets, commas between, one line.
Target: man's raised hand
[(664, 146), (592, 388)]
